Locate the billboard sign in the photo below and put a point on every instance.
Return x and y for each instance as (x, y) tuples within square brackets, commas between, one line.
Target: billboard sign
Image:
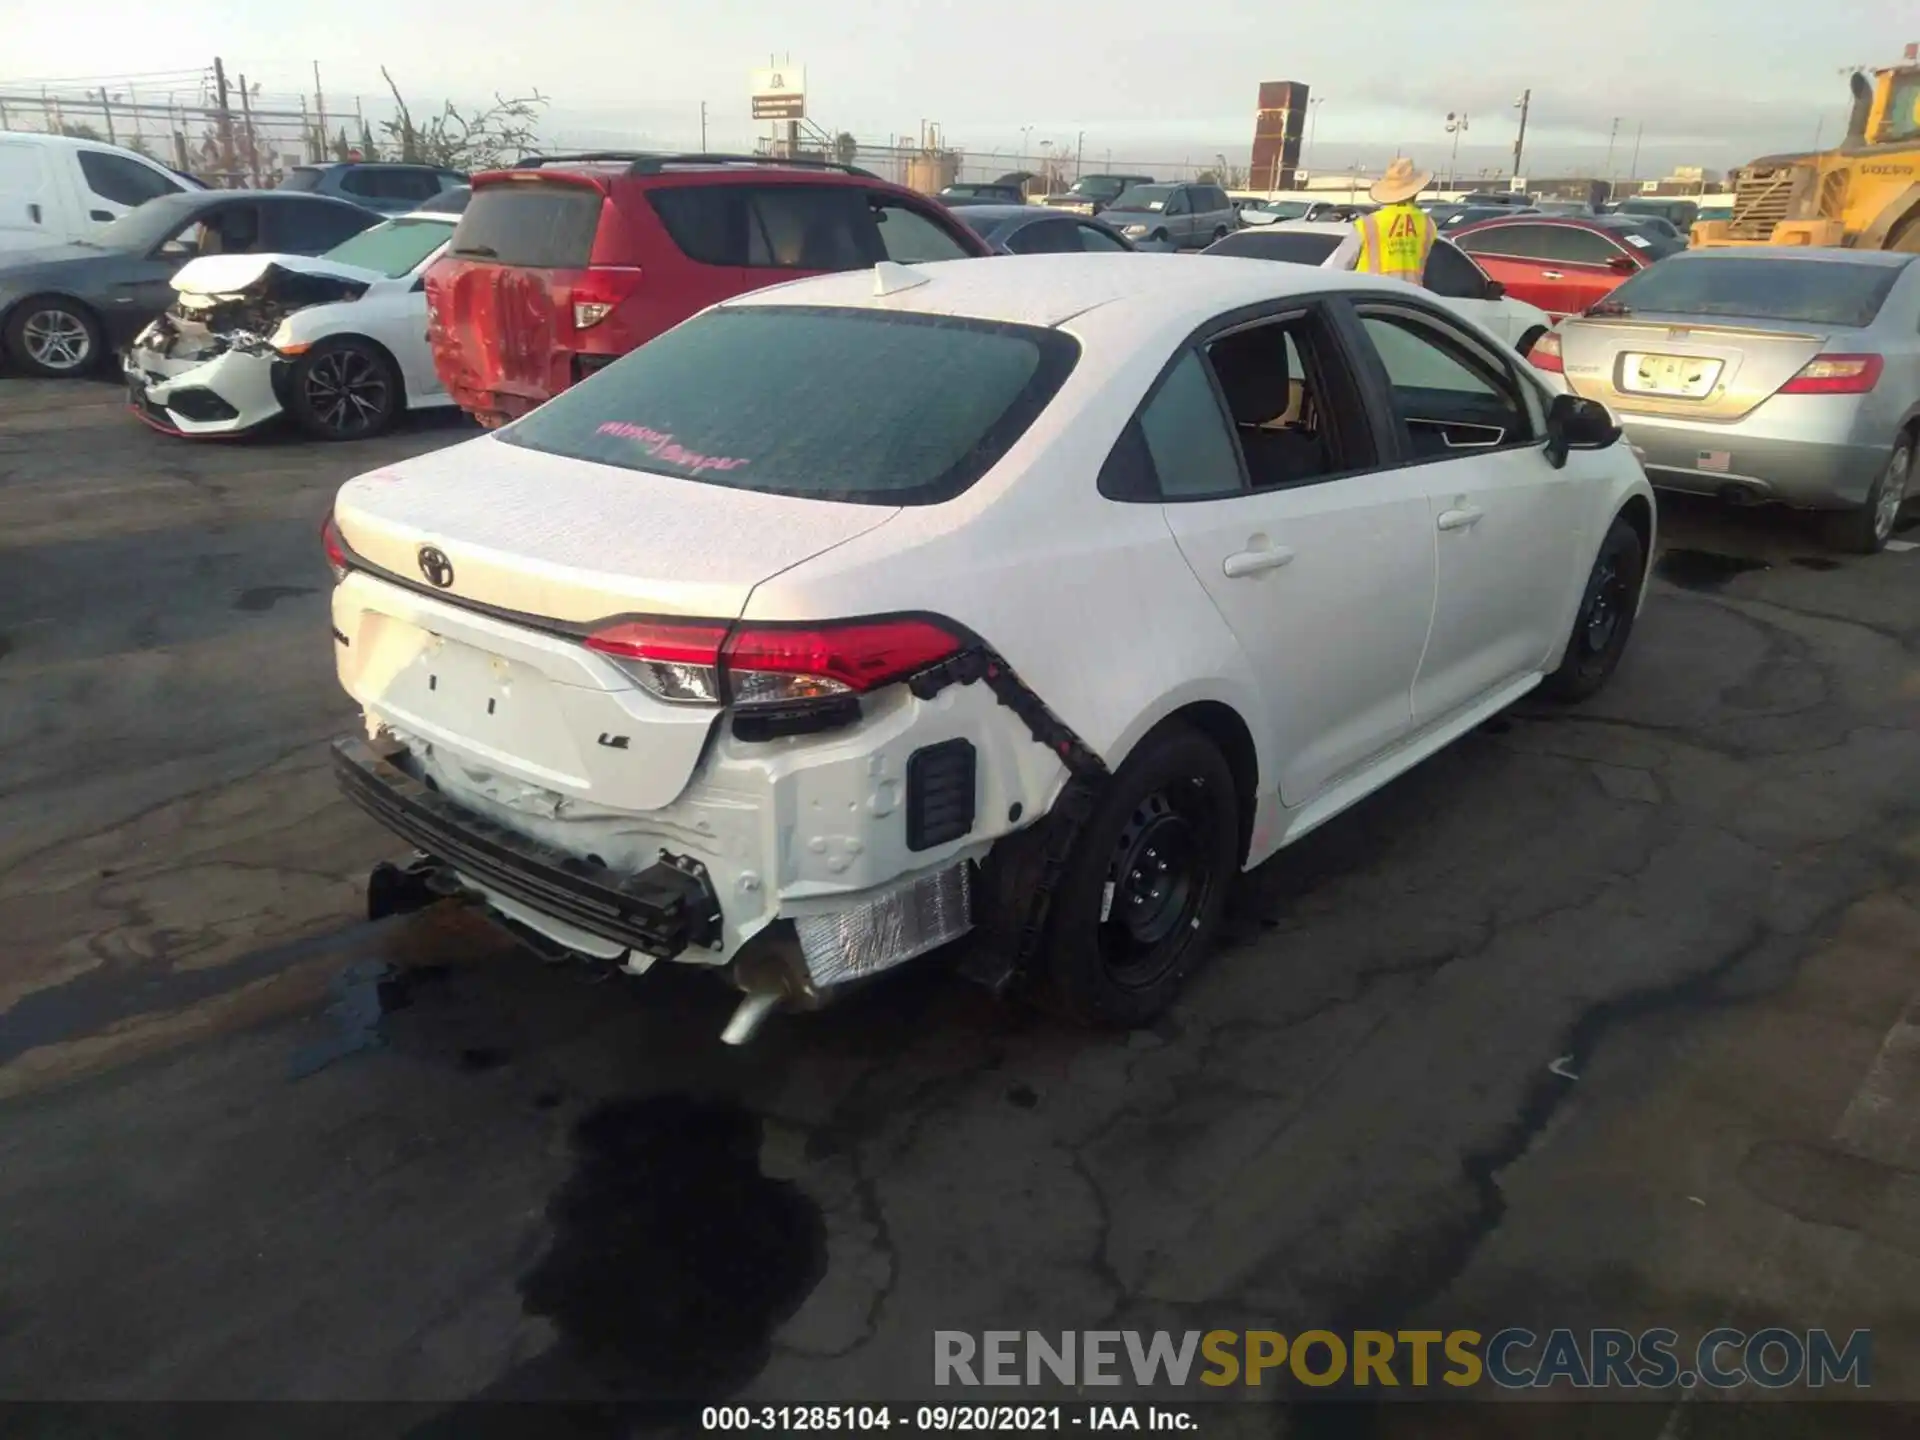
[(1279, 124), (780, 93)]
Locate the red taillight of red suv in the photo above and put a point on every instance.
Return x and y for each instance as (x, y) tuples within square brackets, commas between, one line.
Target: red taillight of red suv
[(600, 292), (708, 662), (1836, 375)]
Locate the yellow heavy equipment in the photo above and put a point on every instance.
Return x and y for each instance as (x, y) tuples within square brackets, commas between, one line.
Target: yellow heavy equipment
[(1863, 193)]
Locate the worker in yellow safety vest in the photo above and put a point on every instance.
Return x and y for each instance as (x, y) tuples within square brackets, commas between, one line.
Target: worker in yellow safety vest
[(1396, 239)]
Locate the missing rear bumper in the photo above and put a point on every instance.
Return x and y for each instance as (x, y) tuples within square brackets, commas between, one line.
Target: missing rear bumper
[(661, 911)]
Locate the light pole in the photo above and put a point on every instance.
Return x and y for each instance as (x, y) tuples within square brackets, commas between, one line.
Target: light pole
[(1313, 126), (1025, 131), (1612, 135), (1523, 104), (1456, 126)]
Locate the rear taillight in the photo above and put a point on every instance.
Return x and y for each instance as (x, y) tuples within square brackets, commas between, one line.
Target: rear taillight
[(1546, 355), (705, 662), (1836, 375), (599, 293), (336, 549)]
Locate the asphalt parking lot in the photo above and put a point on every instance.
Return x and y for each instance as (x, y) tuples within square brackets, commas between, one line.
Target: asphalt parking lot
[(1603, 1017)]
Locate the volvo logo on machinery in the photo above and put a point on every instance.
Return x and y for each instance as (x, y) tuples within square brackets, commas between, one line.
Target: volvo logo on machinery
[(435, 565)]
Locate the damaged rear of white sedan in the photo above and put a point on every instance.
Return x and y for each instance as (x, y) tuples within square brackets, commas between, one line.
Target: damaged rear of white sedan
[(337, 342), (1029, 600)]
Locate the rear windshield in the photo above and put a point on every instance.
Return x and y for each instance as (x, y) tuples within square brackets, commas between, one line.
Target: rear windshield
[(547, 225), (395, 247), (1285, 209), (855, 405), (1144, 197), (1810, 292), (301, 177), (1296, 249)]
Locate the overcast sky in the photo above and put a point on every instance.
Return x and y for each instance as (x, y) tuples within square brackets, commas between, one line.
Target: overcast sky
[(1714, 82)]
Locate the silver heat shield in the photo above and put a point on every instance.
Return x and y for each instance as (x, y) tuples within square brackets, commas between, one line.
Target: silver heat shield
[(906, 921)]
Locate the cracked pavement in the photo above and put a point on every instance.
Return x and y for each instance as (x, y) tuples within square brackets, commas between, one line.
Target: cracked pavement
[(1605, 1016)]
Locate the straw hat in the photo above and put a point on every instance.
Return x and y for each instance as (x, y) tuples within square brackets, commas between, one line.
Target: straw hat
[(1401, 182)]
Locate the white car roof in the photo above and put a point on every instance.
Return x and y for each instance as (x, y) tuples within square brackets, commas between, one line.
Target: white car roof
[(1048, 290), (1312, 227)]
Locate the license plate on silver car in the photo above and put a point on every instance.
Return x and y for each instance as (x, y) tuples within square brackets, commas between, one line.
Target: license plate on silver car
[(1684, 377)]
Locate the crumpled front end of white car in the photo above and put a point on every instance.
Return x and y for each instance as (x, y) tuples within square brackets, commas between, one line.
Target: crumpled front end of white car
[(209, 365)]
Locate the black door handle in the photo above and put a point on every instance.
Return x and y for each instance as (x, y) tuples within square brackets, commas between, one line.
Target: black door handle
[(100, 215), (33, 213)]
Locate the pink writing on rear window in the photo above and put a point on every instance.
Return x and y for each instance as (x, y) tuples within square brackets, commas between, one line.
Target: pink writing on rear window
[(663, 446)]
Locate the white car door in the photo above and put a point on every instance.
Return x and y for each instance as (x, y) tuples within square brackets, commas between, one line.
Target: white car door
[(1320, 562), (1506, 523)]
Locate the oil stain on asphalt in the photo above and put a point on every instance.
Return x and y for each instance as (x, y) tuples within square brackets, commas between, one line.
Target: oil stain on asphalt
[(672, 1259), (1703, 569)]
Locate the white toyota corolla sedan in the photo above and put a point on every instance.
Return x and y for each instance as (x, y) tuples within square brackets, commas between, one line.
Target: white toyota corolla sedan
[(1035, 597)]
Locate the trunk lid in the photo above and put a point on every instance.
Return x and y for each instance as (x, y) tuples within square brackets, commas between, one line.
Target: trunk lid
[(527, 712), (1680, 366)]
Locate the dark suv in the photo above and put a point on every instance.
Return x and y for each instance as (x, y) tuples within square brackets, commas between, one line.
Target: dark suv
[(565, 263), (389, 187)]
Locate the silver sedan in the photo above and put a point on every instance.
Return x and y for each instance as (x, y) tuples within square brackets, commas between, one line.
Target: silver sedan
[(1764, 373)]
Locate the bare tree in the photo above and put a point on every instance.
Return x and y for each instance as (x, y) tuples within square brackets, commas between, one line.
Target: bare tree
[(845, 148), (475, 140)]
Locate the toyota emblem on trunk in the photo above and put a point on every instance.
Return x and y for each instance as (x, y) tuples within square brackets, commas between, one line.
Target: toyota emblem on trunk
[(436, 567)]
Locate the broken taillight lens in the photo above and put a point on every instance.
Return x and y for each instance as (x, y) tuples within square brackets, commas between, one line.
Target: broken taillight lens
[(705, 662), (598, 293), (336, 549), (1546, 355)]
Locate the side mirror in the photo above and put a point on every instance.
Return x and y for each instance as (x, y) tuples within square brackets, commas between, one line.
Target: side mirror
[(1495, 290), (1577, 423), (1622, 265)]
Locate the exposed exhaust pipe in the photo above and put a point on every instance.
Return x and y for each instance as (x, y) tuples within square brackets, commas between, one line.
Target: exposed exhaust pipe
[(1862, 107)]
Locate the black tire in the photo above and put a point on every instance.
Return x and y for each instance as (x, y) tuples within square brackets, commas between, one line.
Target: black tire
[(1159, 237), (55, 337), (1604, 622), (1219, 233), (1866, 531), (344, 389), (1156, 858), (1529, 340)]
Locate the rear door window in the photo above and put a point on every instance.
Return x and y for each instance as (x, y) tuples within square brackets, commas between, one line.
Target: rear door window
[(1529, 241), (309, 225), (302, 177), (911, 238), (1046, 237), (542, 224), (836, 404), (1576, 246), (771, 227)]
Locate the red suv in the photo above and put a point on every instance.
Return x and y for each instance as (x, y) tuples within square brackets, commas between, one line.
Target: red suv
[(1563, 264), (565, 263)]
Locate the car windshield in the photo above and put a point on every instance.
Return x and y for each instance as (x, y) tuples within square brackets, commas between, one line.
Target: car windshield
[(1144, 197), (1095, 187), (145, 226), (395, 248), (1809, 292), (1285, 209), (1292, 246), (852, 405)]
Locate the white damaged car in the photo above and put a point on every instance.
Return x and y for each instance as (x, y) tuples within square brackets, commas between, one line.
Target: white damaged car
[(1035, 598), (336, 341)]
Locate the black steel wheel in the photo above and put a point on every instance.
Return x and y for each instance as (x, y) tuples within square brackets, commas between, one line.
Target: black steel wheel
[(344, 390), (1605, 618), (1145, 884)]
